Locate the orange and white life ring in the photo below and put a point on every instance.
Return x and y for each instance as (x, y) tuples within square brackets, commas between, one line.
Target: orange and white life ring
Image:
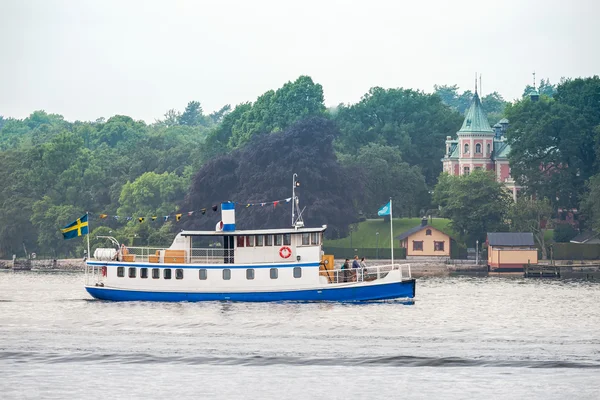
[(285, 252)]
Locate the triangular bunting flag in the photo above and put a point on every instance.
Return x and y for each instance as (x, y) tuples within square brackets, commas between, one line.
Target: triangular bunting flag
[(153, 218), (288, 199), (203, 211), (177, 217), (141, 219), (215, 207), (275, 204), (102, 216), (190, 213)]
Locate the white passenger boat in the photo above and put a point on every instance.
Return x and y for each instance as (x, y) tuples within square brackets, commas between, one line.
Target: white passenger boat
[(240, 265)]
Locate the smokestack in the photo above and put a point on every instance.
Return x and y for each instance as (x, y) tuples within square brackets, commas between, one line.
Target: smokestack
[(228, 216), (423, 221)]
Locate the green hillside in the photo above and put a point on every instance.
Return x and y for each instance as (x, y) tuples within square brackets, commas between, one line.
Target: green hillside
[(365, 234)]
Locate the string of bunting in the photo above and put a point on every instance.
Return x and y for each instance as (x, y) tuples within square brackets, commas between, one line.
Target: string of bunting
[(177, 216)]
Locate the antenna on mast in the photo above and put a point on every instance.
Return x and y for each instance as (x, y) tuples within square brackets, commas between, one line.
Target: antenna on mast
[(475, 82), (534, 79), (480, 86)]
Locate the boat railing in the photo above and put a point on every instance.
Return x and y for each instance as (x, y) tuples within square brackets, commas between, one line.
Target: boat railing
[(93, 274), (208, 255), (365, 274)]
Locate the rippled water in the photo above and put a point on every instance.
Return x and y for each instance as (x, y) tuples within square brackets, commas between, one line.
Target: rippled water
[(463, 337)]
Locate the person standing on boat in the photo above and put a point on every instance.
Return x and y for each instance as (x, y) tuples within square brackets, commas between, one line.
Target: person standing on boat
[(363, 268), (345, 271), (356, 268)]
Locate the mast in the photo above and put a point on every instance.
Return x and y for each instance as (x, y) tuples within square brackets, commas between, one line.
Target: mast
[(88, 235), (391, 233)]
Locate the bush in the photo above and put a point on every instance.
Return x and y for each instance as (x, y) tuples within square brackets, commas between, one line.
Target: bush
[(563, 233)]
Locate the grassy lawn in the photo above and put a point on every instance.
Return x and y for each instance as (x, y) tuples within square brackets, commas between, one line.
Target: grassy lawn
[(365, 234)]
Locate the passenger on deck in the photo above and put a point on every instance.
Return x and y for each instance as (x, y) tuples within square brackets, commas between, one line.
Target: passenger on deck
[(356, 268), (363, 269), (124, 250), (345, 271)]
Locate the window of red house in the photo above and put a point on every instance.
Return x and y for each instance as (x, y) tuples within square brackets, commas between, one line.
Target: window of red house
[(417, 245)]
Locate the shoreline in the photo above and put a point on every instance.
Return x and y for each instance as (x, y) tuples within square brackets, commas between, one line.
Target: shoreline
[(419, 269)]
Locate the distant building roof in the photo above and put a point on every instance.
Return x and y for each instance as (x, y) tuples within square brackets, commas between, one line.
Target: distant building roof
[(501, 149), (503, 121), (498, 125), (475, 118), (585, 237), (416, 229), (510, 239)]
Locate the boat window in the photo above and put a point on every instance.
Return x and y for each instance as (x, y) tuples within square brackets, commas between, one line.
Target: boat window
[(178, 273), (305, 239), (226, 274), (202, 274), (120, 272), (287, 239), (250, 273), (249, 241), (132, 272), (167, 273), (274, 273), (314, 238), (155, 273), (278, 240), (259, 240), (144, 273), (297, 272), (268, 240), (240, 241)]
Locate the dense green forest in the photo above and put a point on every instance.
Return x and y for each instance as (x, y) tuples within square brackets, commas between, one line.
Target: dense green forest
[(141, 182)]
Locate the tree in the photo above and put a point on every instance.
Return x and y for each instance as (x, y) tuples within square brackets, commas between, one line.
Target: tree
[(529, 215), (475, 203), (262, 171), (218, 116), (273, 111), (151, 195), (590, 203), (563, 233), (414, 122), (192, 115), (553, 141), (386, 175)]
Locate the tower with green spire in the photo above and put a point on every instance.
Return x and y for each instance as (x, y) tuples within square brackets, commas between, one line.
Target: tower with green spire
[(478, 146)]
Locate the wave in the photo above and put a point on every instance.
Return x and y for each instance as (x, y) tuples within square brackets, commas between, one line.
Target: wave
[(392, 361)]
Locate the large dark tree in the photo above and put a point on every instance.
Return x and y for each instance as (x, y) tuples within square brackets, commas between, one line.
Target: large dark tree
[(262, 171), (553, 141)]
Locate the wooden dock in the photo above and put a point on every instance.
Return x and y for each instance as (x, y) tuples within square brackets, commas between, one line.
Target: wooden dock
[(541, 271)]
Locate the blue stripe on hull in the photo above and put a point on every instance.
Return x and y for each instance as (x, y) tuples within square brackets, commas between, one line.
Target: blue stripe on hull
[(405, 289)]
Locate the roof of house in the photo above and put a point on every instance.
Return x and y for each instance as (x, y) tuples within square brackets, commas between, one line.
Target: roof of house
[(414, 230), (584, 237), (475, 118), (501, 149), (510, 239)]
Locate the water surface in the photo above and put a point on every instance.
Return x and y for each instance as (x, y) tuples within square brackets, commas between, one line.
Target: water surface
[(464, 337)]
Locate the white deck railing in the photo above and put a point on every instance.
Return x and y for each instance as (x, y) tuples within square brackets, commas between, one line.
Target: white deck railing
[(367, 274)]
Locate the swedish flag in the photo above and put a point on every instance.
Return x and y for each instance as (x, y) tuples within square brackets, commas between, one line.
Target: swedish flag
[(76, 228)]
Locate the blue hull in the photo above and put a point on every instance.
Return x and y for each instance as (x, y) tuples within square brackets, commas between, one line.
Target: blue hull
[(405, 289)]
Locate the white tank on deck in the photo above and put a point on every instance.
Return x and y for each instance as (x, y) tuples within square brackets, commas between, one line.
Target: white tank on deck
[(105, 254)]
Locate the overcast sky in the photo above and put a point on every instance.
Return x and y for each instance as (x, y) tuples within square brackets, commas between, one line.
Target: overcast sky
[(88, 59)]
